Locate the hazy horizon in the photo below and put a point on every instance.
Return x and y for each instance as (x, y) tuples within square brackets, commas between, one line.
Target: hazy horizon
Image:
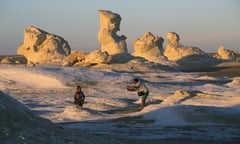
[(204, 24)]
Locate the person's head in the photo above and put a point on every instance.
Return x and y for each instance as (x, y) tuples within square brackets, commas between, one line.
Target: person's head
[(78, 89), (135, 80)]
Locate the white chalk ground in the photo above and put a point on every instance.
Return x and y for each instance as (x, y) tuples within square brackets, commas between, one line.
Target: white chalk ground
[(209, 113)]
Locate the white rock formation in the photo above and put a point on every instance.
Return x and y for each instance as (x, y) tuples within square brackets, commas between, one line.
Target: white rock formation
[(174, 51), (149, 47), (75, 57), (225, 54), (185, 55), (7, 60), (42, 47), (107, 35), (13, 59), (98, 57)]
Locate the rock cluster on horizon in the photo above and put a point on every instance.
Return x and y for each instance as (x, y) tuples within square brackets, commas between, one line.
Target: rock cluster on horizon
[(225, 54), (45, 48), (42, 47)]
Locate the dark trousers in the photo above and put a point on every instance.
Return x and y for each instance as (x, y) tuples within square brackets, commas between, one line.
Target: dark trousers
[(79, 102)]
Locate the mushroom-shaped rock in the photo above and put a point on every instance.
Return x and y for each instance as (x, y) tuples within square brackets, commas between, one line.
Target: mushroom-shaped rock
[(107, 35)]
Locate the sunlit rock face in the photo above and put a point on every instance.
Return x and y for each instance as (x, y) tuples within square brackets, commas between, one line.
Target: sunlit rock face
[(42, 47), (107, 35), (174, 51), (225, 54), (13, 59), (149, 47), (98, 57), (7, 60), (76, 56), (186, 55)]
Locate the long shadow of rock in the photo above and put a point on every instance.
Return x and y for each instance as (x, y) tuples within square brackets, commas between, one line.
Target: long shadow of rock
[(122, 58), (198, 61)]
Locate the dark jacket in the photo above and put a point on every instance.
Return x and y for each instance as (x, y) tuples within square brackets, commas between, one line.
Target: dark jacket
[(79, 96)]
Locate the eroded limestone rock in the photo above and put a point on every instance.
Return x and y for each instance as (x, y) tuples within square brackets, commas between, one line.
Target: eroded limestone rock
[(42, 47), (186, 55), (98, 57), (225, 54), (107, 35), (149, 47), (174, 51), (75, 57)]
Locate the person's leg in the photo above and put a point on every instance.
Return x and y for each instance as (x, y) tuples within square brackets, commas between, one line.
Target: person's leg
[(144, 97), (142, 103), (81, 104), (76, 103)]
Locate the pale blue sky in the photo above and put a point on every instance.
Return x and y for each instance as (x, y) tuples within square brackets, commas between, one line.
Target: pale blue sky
[(206, 24)]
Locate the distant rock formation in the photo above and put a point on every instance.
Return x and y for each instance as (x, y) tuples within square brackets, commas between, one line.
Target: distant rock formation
[(185, 55), (79, 58), (13, 59), (107, 35), (42, 47), (7, 60), (174, 51), (75, 57), (98, 57), (149, 47), (225, 54)]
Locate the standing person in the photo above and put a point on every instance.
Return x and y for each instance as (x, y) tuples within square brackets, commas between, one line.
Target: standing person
[(141, 89), (79, 97)]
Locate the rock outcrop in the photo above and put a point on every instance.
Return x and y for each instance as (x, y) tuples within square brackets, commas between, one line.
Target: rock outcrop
[(98, 57), (107, 35), (7, 60), (186, 55), (149, 47), (225, 54), (42, 47), (75, 57), (19, 125), (174, 51), (13, 59)]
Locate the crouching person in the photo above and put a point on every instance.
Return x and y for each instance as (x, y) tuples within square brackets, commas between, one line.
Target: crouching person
[(79, 97)]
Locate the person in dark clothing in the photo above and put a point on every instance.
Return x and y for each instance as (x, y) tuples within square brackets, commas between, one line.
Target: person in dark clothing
[(79, 97)]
